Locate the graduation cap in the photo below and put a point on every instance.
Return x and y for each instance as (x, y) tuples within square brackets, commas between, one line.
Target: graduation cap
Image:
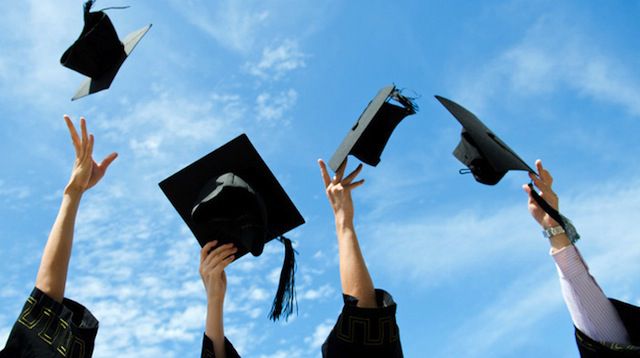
[(489, 158), (369, 135), (486, 155), (230, 195), (98, 53)]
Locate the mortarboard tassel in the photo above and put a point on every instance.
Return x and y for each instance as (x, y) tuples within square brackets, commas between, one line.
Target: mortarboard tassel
[(285, 298), (408, 102), (566, 224), (89, 4), (87, 8)]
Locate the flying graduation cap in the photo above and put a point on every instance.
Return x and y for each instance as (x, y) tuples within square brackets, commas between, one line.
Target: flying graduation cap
[(371, 132), (489, 158), (230, 195), (98, 53)]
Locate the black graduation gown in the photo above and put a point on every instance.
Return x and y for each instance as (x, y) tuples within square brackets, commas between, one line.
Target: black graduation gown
[(46, 328), (365, 332), (207, 348), (630, 316)]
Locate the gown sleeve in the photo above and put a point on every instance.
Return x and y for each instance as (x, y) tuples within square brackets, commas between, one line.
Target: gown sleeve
[(365, 332), (207, 348), (630, 316), (47, 328)]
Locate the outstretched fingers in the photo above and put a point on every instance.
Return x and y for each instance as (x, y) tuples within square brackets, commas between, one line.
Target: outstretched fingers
[(83, 128), (325, 175), (349, 178), (339, 173), (108, 160), (354, 185), (89, 151), (75, 139)]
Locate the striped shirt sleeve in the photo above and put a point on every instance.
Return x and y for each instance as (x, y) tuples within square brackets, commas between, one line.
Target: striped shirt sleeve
[(591, 311)]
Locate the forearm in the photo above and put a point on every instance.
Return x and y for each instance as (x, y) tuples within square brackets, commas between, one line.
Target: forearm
[(214, 328), (354, 275), (591, 311), (52, 274)]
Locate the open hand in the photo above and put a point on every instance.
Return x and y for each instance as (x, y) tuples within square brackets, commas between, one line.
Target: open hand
[(86, 172), (339, 189)]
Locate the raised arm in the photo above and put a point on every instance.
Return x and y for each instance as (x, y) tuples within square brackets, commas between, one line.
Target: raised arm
[(212, 265), (52, 274), (592, 313), (354, 274)]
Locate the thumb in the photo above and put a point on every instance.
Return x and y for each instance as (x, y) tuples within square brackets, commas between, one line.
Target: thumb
[(108, 160)]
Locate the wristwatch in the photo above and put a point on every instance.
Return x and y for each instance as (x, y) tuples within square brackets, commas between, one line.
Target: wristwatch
[(552, 231)]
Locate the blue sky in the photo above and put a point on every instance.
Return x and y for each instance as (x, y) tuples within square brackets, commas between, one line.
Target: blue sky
[(465, 262)]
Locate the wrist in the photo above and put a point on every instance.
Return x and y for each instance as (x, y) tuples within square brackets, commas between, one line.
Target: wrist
[(559, 242), (73, 190), (344, 223), (215, 301), (548, 223)]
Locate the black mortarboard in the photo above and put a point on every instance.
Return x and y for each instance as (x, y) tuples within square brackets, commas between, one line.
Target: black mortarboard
[(230, 195), (367, 138), (98, 53), (489, 158), (486, 155)]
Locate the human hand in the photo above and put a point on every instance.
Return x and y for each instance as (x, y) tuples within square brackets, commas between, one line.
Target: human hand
[(212, 265), (543, 182), (339, 189), (86, 172)]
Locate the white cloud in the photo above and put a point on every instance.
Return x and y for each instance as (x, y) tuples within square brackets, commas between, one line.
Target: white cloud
[(13, 192), (271, 108), (251, 24), (504, 233), (244, 338), (418, 237), (549, 58), (257, 294), (447, 249), (171, 122), (277, 61), (4, 333), (319, 335), (233, 24), (324, 291), (34, 58), (493, 331)]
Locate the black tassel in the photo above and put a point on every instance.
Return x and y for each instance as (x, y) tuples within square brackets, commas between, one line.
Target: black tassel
[(408, 102), (285, 299), (87, 6)]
